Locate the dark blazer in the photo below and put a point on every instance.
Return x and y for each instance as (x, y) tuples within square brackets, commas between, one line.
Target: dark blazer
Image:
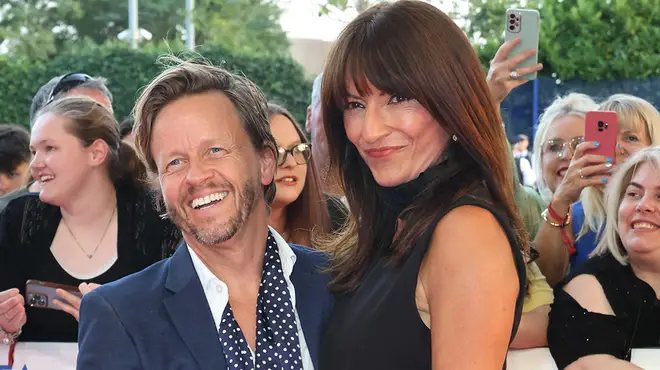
[(159, 318)]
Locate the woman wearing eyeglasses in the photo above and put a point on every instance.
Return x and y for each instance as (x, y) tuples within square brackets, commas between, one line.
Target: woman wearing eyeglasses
[(299, 208), (572, 226)]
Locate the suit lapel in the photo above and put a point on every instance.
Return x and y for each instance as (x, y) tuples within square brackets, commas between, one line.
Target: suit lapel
[(303, 281), (190, 313)]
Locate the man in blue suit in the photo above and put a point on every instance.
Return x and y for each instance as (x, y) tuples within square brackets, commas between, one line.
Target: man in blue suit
[(234, 295)]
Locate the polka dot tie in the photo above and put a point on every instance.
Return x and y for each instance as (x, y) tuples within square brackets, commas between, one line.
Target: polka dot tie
[(278, 345)]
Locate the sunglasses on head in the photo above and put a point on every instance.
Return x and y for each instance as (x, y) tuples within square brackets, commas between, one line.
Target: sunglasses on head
[(68, 82)]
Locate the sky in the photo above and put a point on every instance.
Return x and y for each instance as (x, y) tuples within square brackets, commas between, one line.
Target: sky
[(300, 18)]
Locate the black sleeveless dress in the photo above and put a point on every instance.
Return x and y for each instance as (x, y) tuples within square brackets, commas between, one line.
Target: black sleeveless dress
[(377, 326)]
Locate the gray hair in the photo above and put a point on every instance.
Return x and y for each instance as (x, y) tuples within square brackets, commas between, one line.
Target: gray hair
[(41, 97), (316, 90)]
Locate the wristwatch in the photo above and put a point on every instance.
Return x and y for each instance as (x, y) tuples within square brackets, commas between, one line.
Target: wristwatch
[(9, 338)]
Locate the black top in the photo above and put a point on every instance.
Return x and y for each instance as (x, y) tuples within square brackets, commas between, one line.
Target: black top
[(27, 229), (378, 325), (574, 332)]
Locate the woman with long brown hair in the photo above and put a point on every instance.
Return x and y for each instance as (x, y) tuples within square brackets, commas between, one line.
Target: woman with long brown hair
[(299, 208), (436, 277)]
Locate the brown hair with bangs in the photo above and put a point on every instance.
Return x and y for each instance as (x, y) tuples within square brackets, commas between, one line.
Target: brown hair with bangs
[(412, 49), (308, 214)]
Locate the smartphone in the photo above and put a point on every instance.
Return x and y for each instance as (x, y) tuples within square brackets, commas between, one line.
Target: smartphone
[(523, 23), (40, 294), (602, 127)]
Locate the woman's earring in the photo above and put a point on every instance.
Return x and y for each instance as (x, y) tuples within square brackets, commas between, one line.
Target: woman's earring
[(453, 137)]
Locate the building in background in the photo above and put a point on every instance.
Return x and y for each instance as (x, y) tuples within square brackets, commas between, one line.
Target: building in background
[(310, 53)]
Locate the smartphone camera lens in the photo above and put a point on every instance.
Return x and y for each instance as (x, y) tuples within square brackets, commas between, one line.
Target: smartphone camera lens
[(36, 300), (512, 21), (512, 16), (601, 124), (512, 28)]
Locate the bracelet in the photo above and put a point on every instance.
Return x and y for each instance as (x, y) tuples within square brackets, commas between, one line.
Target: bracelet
[(556, 215), (564, 234), (561, 225), (9, 338)]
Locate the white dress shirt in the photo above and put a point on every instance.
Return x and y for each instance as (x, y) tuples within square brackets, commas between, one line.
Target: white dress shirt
[(217, 293), (529, 176)]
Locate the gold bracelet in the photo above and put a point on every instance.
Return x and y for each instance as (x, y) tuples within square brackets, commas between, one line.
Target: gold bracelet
[(544, 214), (9, 338)]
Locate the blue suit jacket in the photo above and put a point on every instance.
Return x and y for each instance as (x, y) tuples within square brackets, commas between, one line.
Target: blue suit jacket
[(159, 318)]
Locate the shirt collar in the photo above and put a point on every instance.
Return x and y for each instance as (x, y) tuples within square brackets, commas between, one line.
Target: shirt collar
[(208, 279)]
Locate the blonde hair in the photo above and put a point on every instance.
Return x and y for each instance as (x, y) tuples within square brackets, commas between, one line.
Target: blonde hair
[(634, 114), (611, 240), (573, 104)]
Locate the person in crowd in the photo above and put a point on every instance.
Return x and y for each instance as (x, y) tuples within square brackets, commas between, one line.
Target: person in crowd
[(571, 228), (522, 147), (14, 158), (126, 131), (330, 177), (538, 294), (92, 222), (411, 123), (72, 84), (235, 294), (609, 304), (560, 130), (299, 208), (523, 161)]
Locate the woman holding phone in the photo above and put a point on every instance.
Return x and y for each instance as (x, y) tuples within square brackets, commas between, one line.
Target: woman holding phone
[(575, 215), (93, 220)]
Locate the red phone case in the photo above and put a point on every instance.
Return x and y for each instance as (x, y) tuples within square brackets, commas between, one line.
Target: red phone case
[(602, 127)]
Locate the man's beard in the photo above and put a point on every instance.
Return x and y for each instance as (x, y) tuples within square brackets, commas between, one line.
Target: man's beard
[(214, 233)]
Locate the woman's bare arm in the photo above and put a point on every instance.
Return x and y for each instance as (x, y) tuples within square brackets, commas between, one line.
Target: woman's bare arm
[(471, 285)]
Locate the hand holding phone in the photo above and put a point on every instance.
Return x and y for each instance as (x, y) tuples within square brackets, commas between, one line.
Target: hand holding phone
[(602, 127), (66, 298), (42, 294), (523, 24), (517, 56)]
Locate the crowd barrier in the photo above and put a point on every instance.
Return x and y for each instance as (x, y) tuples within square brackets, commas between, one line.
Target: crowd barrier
[(62, 356)]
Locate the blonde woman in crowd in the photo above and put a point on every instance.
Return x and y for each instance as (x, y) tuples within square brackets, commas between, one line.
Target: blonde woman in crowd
[(570, 231), (609, 304)]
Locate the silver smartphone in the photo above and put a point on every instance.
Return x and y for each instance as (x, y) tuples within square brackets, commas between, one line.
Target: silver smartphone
[(40, 294), (523, 23)]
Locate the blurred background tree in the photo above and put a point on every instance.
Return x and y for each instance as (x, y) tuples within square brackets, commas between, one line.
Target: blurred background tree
[(590, 40), (40, 29)]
